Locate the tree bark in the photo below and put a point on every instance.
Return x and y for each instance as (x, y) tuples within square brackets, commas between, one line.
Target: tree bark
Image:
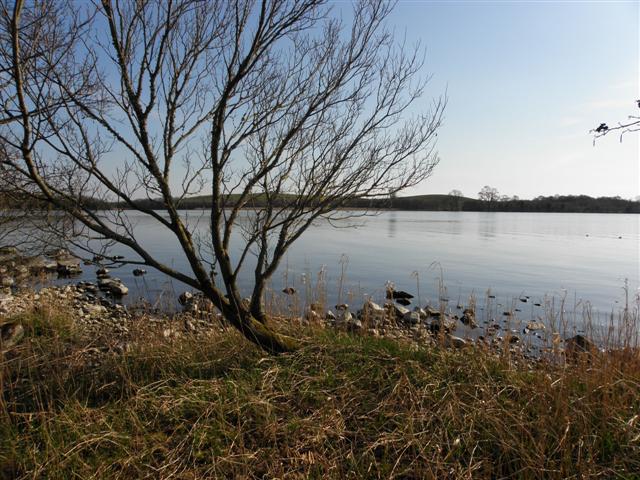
[(257, 331)]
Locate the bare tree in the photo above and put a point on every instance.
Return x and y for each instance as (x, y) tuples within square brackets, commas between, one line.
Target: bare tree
[(631, 125), (276, 100), (490, 195), (10, 216), (457, 199)]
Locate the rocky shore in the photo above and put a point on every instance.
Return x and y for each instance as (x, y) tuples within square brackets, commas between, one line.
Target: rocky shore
[(93, 306), (114, 327)]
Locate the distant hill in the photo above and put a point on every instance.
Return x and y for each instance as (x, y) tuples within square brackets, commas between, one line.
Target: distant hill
[(558, 203)]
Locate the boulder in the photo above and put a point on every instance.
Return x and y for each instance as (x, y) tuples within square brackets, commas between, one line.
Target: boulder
[(95, 309), (372, 306), (533, 326), (372, 313), (469, 318), (442, 324), (577, 345), (344, 316), (185, 298), (454, 342), (68, 266), (35, 264), (50, 265), (354, 325), (90, 287), (432, 312), (411, 318), (421, 312), (113, 286), (400, 310), (196, 303), (10, 334)]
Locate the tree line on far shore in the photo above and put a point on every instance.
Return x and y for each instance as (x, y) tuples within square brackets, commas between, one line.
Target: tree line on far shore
[(450, 202)]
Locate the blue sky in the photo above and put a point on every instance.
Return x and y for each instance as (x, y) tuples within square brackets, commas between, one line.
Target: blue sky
[(526, 81)]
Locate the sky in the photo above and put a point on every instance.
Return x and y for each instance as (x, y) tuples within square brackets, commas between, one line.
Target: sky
[(526, 81)]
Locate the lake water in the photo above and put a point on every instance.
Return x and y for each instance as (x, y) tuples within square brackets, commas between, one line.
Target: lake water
[(584, 258)]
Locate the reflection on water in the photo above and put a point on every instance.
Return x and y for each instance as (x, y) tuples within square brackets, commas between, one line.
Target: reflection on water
[(513, 254), (392, 216), (487, 225)]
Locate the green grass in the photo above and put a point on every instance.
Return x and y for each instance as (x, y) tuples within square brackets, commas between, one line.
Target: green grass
[(341, 407)]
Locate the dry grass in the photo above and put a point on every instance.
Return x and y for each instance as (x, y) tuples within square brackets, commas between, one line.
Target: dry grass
[(341, 407)]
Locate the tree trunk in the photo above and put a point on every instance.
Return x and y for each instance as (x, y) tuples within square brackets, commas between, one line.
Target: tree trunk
[(257, 332), (267, 338)]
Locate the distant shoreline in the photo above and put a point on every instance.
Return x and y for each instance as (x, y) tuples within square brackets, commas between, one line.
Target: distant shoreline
[(555, 204), (431, 203)]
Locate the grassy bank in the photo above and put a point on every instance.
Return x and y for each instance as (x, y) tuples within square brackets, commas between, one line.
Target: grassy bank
[(212, 406)]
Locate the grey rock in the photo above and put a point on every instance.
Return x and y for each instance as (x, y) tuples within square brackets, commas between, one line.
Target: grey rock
[(68, 266), (400, 310), (372, 306), (185, 298), (469, 318), (421, 312), (533, 326), (579, 344), (10, 334), (442, 324), (454, 342), (411, 318), (113, 286), (344, 316), (354, 325)]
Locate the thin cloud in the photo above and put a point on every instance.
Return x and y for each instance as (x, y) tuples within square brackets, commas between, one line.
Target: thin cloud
[(606, 104), (571, 121), (625, 85)]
